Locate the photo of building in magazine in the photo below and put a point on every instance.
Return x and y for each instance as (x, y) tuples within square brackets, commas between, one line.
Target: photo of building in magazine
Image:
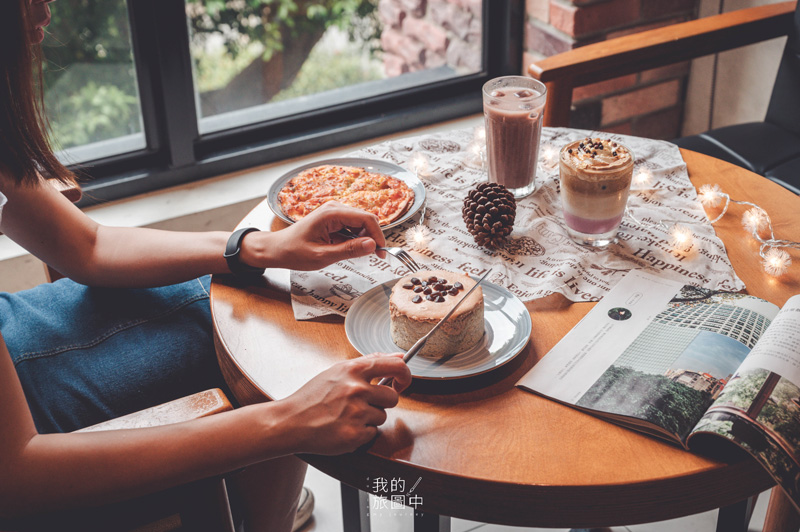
[(685, 363), (678, 365)]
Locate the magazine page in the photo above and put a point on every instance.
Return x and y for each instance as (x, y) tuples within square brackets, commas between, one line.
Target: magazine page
[(653, 352), (759, 409)]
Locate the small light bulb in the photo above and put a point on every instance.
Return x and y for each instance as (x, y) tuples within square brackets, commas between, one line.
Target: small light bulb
[(419, 163), (418, 237), (642, 177), (476, 155), (710, 195), (681, 237), (776, 261), (754, 220), (549, 155)]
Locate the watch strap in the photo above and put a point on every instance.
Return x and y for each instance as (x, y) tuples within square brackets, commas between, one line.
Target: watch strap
[(233, 250)]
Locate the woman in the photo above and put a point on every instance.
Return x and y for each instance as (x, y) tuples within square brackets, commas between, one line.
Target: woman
[(75, 354)]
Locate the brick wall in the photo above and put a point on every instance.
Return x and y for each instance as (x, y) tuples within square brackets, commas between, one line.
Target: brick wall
[(648, 104), (424, 34)]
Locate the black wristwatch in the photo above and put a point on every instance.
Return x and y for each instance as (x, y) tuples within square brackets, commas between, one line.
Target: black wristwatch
[(232, 250)]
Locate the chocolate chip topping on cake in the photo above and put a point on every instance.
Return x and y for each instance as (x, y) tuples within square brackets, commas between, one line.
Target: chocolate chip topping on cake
[(414, 311), (436, 289)]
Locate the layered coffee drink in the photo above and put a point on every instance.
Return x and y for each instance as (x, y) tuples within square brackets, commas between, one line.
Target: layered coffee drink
[(512, 109), (595, 182)]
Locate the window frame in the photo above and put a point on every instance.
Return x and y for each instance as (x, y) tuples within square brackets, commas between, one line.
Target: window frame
[(176, 153)]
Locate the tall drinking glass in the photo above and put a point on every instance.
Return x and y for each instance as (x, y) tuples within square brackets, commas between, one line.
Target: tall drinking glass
[(595, 178), (512, 108)]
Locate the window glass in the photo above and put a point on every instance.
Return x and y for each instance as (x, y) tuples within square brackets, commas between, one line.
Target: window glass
[(91, 93), (260, 59)]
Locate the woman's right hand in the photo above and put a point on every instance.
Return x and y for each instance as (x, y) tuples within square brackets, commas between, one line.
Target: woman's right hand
[(339, 410), (314, 242)]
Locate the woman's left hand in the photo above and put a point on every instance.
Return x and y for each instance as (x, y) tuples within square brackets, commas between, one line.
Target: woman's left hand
[(313, 242)]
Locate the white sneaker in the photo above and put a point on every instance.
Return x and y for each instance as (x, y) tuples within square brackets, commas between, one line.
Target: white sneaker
[(305, 507)]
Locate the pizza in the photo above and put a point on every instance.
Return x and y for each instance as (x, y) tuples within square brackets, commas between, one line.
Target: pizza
[(385, 196)]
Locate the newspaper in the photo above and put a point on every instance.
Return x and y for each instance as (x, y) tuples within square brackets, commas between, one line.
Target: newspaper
[(539, 258)]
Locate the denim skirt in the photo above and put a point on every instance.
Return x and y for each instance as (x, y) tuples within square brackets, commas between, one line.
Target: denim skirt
[(86, 354)]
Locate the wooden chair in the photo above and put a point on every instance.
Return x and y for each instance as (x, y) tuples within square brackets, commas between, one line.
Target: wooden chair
[(770, 147), (646, 50), (200, 506)]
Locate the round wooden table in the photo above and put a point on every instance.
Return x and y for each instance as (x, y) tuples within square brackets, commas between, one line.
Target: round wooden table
[(484, 449)]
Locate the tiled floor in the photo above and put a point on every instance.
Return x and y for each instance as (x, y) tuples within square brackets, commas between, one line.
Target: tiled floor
[(328, 516)]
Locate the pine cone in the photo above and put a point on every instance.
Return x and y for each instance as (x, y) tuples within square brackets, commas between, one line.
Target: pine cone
[(489, 211)]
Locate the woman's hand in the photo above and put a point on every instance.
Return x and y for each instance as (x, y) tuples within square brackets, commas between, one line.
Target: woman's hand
[(339, 410), (313, 242)]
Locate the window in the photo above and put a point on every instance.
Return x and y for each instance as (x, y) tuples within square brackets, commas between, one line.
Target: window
[(253, 63), (91, 93), (152, 93)]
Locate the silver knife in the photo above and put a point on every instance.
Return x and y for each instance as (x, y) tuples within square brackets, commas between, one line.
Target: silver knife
[(417, 347)]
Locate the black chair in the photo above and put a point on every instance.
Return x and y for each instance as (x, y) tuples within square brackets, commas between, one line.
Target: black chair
[(772, 147)]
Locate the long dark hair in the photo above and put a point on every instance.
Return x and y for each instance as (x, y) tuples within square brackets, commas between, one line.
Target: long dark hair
[(25, 151)]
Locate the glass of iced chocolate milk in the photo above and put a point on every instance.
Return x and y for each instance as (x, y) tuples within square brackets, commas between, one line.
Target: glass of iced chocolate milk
[(595, 181), (512, 110)]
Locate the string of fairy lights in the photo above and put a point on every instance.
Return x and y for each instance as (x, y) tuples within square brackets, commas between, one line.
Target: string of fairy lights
[(775, 260)]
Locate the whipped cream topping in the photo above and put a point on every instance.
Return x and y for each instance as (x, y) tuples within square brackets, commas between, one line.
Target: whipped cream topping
[(596, 155)]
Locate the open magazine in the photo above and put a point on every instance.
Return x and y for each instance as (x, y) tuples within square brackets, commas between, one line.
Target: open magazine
[(682, 363)]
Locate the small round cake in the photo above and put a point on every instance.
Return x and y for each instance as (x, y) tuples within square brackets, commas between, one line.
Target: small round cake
[(419, 300)]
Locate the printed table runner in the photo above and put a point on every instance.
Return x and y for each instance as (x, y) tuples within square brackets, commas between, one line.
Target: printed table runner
[(538, 259)]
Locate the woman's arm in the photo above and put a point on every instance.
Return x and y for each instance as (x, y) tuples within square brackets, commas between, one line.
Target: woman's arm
[(335, 412), (49, 226)]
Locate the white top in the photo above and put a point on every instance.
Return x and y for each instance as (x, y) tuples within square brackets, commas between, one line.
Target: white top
[(3, 201)]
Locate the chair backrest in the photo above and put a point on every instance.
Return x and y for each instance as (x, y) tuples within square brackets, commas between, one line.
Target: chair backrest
[(784, 104)]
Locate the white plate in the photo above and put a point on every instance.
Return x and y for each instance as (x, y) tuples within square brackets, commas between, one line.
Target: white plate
[(508, 329), (370, 165)]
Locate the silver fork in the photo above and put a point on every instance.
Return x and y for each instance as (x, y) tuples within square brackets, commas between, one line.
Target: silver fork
[(399, 253)]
